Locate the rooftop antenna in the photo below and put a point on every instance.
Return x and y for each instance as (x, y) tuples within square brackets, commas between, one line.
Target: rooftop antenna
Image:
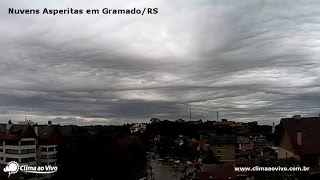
[(217, 115), (190, 114)]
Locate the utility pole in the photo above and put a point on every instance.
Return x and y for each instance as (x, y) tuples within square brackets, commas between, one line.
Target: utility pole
[(190, 114)]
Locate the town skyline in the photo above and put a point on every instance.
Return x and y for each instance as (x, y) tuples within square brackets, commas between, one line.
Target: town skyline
[(251, 61)]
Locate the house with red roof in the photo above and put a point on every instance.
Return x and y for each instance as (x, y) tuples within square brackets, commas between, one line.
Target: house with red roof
[(17, 143), (49, 139), (298, 137)]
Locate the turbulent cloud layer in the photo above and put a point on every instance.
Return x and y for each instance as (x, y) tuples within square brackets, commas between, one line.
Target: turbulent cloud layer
[(251, 61)]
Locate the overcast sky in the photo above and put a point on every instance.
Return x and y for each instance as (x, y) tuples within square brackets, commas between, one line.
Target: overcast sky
[(249, 60)]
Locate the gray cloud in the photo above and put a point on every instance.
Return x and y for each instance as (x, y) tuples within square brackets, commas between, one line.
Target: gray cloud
[(251, 61)]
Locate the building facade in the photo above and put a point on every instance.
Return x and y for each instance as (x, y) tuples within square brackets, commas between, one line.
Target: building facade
[(223, 147), (28, 143), (18, 143), (49, 139), (298, 137)]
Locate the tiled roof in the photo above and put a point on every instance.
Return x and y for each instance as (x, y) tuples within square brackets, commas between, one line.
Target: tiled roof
[(243, 140), (45, 131), (310, 131), (225, 139), (16, 131)]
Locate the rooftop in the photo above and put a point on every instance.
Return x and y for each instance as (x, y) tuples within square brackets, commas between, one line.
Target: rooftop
[(309, 127), (224, 139)]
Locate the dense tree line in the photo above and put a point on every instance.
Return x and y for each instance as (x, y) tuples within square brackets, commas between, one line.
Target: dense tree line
[(101, 152)]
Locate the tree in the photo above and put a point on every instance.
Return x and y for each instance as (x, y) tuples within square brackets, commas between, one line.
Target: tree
[(210, 158), (101, 152)]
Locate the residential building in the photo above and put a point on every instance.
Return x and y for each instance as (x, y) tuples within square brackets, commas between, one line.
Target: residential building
[(138, 127), (196, 122), (298, 137), (244, 143), (270, 152), (242, 130), (224, 122), (49, 139), (259, 143), (243, 148), (17, 143), (223, 147)]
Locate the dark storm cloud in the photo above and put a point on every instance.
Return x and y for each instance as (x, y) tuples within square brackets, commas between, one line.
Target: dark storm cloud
[(248, 60)]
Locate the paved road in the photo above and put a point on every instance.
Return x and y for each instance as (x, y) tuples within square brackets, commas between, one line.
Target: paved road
[(163, 172)]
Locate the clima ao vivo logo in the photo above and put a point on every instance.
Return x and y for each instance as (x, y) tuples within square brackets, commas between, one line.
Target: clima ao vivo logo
[(14, 167)]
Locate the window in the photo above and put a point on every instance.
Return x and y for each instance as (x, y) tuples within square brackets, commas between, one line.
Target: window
[(51, 149), (1, 158), (27, 143), (43, 157), (53, 156), (26, 160), (1, 143), (12, 143), (12, 159), (12, 151), (28, 151), (219, 145), (1, 150), (219, 152), (43, 149)]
